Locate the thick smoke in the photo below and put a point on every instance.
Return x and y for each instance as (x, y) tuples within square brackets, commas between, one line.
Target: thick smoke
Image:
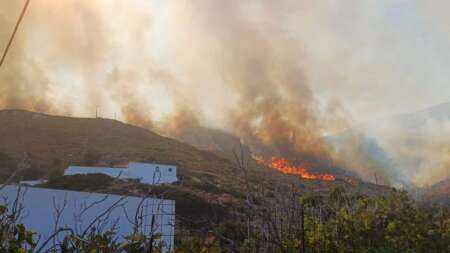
[(418, 144), (17, 75), (176, 124), (70, 57), (245, 66), (274, 109), (273, 106), (93, 59)]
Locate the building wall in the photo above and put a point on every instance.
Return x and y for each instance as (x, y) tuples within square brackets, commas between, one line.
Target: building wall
[(154, 173), (146, 172), (38, 213)]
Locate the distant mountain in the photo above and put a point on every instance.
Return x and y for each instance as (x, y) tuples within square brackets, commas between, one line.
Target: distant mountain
[(438, 113), (404, 145), (414, 122)]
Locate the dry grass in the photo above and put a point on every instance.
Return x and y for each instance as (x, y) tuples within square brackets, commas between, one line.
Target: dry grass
[(54, 142)]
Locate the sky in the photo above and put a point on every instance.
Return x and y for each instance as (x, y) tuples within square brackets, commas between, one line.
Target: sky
[(377, 58)]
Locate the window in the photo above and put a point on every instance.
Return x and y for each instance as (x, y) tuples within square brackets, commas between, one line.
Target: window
[(170, 169)]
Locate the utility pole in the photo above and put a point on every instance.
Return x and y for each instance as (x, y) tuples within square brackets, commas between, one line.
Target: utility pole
[(302, 227), (22, 14)]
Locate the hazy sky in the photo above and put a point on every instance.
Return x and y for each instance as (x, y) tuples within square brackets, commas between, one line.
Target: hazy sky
[(384, 56), (376, 58)]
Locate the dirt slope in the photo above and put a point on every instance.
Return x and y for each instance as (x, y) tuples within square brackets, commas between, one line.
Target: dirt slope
[(53, 142)]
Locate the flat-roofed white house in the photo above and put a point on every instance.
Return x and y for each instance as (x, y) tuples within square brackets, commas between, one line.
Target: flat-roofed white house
[(147, 173), (33, 182), (82, 211)]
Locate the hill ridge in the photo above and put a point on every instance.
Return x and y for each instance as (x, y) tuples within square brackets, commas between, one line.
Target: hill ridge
[(53, 142)]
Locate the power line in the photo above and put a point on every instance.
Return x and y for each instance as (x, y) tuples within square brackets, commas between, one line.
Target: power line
[(24, 9)]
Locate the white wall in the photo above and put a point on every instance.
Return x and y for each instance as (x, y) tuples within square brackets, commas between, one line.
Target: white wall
[(151, 173), (38, 214), (146, 172)]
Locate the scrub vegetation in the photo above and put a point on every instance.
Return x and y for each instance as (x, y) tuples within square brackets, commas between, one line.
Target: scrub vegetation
[(335, 222)]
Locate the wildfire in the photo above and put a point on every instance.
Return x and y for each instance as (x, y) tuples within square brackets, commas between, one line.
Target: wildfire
[(282, 164)]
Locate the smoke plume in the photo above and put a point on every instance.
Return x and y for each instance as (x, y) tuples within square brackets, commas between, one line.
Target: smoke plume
[(70, 57), (273, 108), (253, 68)]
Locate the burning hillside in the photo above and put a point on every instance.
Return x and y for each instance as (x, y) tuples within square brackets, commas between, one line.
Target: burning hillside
[(273, 111), (265, 83), (284, 165)]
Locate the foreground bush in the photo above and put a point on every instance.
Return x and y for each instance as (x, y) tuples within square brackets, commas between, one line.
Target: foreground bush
[(336, 222)]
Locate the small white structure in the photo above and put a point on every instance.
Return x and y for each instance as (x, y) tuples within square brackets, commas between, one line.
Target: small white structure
[(46, 210), (147, 173), (33, 182)]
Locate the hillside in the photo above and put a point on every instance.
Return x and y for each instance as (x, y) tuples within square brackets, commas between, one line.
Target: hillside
[(437, 195), (53, 142), (209, 184), (228, 145), (213, 140)]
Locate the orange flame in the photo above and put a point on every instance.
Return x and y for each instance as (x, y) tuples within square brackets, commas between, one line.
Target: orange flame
[(283, 165)]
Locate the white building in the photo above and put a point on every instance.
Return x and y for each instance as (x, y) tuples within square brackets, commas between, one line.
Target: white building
[(80, 210), (33, 182), (147, 173)]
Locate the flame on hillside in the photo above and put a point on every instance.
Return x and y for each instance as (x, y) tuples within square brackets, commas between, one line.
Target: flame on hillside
[(282, 164)]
